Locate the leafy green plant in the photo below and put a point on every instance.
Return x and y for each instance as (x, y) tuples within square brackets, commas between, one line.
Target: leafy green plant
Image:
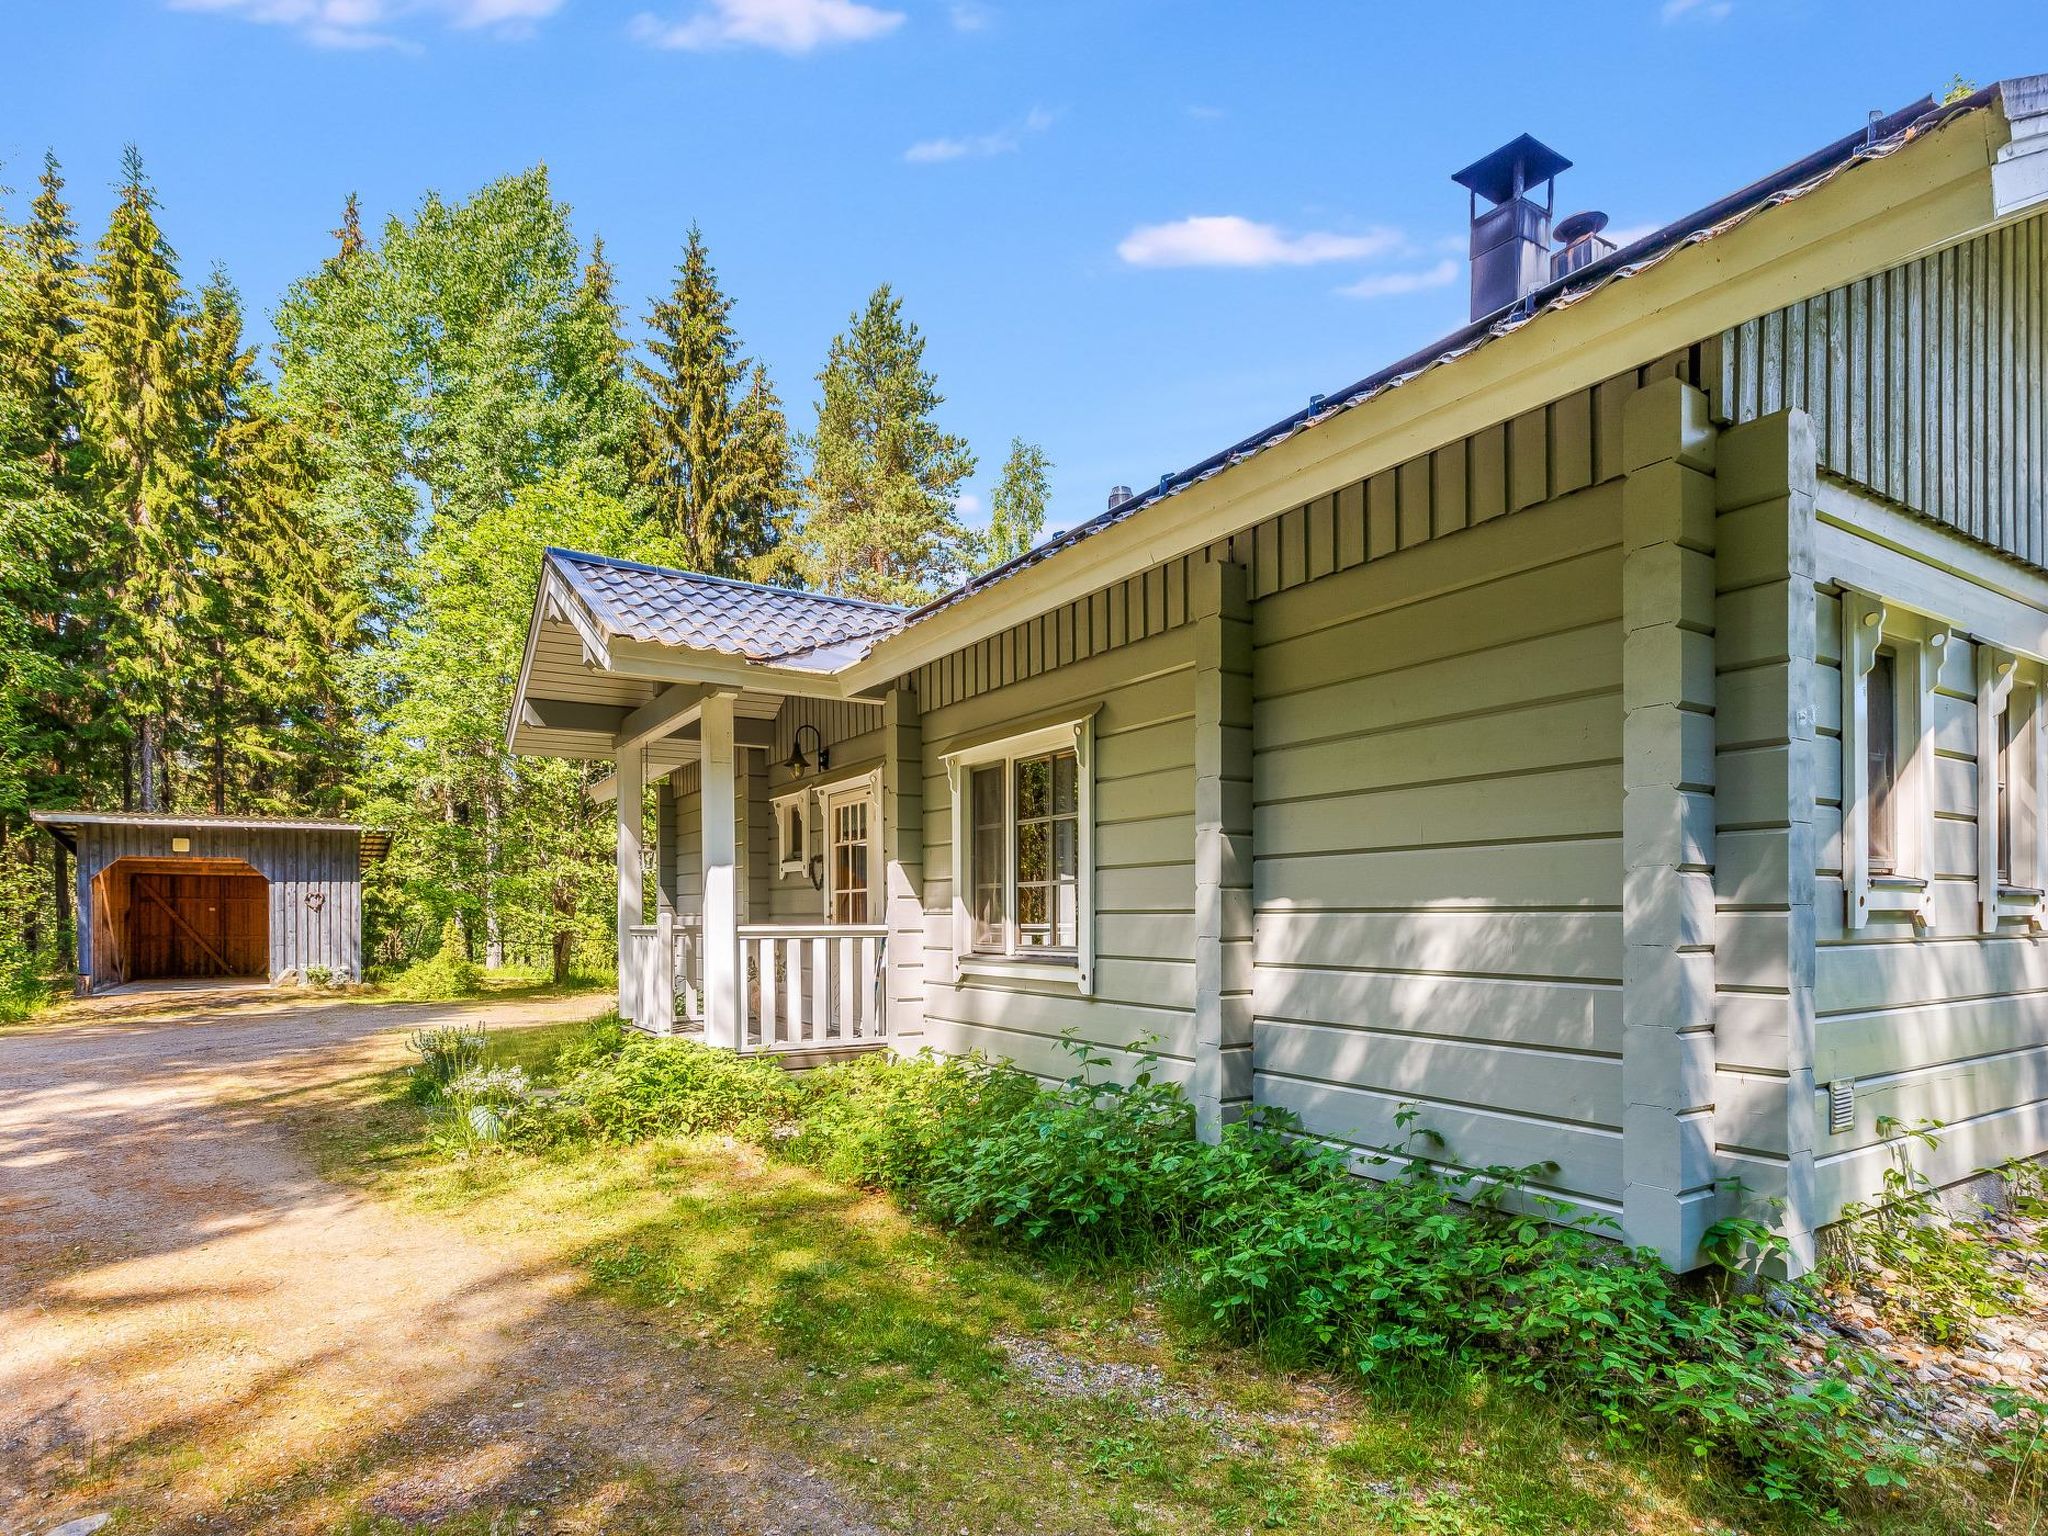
[(1938, 1275), (445, 1053), (1099, 1162), (448, 973), (649, 1087), (479, 1106)]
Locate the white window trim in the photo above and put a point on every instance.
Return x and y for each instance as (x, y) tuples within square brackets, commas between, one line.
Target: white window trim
[(1870, 625), (792, 861), (1078, 969), (866, 786), (2005, 682)]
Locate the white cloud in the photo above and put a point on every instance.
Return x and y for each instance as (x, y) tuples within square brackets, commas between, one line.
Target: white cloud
[(971, 16), (1004, 141), (1226, 240), (786, 26), (377, 23), (1387, 285), (1205, 114), (1701, 10)]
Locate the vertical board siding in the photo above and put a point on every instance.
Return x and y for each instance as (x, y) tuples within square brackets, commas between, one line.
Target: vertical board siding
[(1924, 382), (315, 896), (1543, 454), (1437, 843)]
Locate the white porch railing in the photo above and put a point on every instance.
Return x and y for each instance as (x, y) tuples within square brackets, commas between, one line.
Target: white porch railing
[(812, 986)]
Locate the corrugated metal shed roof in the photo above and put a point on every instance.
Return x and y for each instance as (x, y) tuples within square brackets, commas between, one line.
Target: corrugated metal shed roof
[(182, 819), (708, 613)]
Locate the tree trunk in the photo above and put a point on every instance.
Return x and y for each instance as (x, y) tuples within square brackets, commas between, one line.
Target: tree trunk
[(494, 937), (145, 742)]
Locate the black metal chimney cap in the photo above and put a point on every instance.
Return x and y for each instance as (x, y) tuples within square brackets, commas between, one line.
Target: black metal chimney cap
[(1493, 176)]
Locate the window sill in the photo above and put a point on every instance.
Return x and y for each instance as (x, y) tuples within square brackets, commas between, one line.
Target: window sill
[(1061, 972), (1901, 896), (2019, 903)]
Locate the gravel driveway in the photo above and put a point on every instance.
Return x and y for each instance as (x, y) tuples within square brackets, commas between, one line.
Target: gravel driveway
[(199, 1332)]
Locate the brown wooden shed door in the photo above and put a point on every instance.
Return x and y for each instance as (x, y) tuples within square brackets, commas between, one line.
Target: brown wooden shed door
[(197, 925)]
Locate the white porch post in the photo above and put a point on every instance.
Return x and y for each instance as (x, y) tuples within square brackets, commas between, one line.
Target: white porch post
[(630, 777), (721, 905)]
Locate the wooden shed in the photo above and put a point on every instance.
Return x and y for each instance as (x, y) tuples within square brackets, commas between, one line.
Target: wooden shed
[(169, 896)]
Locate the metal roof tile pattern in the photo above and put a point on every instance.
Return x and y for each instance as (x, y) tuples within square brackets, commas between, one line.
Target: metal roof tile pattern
[(709, 613)]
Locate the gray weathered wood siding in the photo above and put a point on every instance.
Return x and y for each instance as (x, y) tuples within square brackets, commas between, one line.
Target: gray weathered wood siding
[(1928, 384), (1144, 861), (315, 878), (1437, 822)]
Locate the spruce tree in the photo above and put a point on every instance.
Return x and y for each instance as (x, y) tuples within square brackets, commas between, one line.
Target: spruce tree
[(714, 445), (137, 353), (879, 503), (1017, 509)]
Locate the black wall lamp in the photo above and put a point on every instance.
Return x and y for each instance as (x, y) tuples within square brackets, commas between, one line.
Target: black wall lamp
[(797, 762)]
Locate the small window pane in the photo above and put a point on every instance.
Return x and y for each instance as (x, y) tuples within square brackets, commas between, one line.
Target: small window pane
[(1031, 852), (1066, 850), (1881, 712), (2005, 795), (1034, 786), (985, 872), (1064, 802)]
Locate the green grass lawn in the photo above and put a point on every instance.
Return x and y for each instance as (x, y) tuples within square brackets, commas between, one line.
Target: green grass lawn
[(960, 1387)]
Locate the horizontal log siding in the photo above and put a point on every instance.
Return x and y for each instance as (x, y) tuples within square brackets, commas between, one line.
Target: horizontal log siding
[(1437, 820), (1926, 384), (1945, 1025), (1144, 862), (322, 865), (852, 733)]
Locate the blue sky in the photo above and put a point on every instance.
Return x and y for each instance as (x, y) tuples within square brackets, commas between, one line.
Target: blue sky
[(1133, 230)]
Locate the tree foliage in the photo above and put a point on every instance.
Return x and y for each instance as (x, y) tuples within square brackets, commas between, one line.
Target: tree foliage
[(1017, 509), (232, 591), (713, 450), (880, 515)]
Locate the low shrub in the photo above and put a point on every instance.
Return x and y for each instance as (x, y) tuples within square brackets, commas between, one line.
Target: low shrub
[(894, 1123), (445, 1053), (648, 1087), (448, 973), (1092, 1163)]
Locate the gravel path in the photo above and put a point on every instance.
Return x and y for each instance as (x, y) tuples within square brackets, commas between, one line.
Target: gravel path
[(199, 1332)]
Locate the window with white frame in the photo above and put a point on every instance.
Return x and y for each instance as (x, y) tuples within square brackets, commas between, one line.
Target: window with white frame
[(1023, 859), (792, 830), (1890, 661), (2012, 855)]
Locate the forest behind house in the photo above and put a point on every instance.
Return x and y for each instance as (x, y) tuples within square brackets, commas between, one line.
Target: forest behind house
[(300, 584)]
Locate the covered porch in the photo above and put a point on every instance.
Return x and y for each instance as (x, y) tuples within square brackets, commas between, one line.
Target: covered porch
[(765, 899)]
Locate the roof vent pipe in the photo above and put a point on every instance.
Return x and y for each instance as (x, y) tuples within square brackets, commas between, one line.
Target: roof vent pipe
[(1511, 235), (1118, 495), (1581, 243)]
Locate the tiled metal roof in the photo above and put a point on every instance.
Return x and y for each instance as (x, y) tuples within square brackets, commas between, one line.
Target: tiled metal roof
[(708, 613)]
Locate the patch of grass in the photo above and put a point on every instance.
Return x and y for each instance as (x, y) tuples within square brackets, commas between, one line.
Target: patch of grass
[(875, 1343)]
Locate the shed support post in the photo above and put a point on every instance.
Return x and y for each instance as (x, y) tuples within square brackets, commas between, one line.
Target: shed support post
[(1222, 1079), (629, 776), (721, 886), (1667, 818), (1767, 618), (903, 868)]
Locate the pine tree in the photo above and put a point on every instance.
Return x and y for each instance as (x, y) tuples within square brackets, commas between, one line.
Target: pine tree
[(714, 445), (1017, 509), (879, 517), (137, 353)]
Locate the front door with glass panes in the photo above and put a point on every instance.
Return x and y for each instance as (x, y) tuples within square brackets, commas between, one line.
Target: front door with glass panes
[(849, 856)]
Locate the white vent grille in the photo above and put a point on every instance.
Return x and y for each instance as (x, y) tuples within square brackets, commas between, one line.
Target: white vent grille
[(1841, 1107)]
